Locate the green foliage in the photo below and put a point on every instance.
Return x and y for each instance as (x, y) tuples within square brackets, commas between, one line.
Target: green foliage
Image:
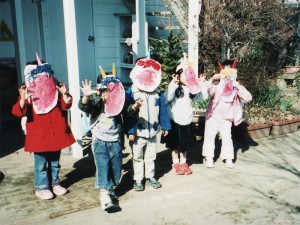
[(285, 104), (201, 105), (168, 53), (266, 97), (267, 103), (298, 86)]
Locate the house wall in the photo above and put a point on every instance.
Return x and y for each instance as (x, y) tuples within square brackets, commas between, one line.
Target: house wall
[(44, 33), (7, 48), (31, 30), (54, 38), (106, 31)]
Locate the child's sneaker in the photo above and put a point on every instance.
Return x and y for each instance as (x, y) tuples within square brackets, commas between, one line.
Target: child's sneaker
[(187, 169), (178, 169), (153, 183), (44, 194), (210, 162), (59, 190), (229, 164), (138, 186), (106, 202)]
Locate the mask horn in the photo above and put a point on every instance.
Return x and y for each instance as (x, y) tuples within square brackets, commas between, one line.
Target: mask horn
[(39, 62), (220, 66), (103, 74), (234, 64), (113, 70)]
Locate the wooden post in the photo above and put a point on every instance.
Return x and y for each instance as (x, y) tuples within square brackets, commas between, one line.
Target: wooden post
[(73, 73), (193, 32)]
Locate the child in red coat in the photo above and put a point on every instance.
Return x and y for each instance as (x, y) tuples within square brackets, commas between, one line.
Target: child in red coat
[(44, 102)]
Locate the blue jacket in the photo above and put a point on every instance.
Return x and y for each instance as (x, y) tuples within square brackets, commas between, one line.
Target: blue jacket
[(151, 116)]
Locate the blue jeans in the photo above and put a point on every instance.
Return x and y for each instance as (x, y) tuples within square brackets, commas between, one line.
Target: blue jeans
[(108, 161), (46, 169)]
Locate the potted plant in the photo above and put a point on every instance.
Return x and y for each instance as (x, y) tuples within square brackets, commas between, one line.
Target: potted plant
[(286, 122), (291, 69), (257, 120), (294, 67)]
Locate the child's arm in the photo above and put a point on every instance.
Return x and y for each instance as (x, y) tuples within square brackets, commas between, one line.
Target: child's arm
[(164, 118), (66, 99), (19, 109), (131, 114), (203, 94), (211, 84), (243, 93), (84, 103), (170, 92), (86, 91)]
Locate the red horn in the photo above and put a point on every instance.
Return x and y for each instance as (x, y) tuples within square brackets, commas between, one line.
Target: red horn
[(234, 63), (220, 66)]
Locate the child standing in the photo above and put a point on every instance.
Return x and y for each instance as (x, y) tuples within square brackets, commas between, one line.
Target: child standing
[(225, 108), (147, 112), (43, 101), (179, 97), (106, 145)]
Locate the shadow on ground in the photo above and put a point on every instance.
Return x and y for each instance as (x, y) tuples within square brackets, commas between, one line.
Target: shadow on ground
[(12, 137)]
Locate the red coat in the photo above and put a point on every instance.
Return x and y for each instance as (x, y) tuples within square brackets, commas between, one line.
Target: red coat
[(46, 132)]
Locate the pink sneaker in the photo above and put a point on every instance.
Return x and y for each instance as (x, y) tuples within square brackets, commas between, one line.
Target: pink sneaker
[(44, 194), (179, 170), (187, 169), (59, 190)]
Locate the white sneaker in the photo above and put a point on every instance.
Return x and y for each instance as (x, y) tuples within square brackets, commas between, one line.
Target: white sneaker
[(210, 162), (229, 164), (59, 190), (106, 202), (44, 194)]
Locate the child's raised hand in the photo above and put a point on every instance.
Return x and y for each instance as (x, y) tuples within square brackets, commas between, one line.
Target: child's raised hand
[(215, 78), (236, 84), (62, 88), (137, 104), (86, 88), (202, 77), (24, 94)]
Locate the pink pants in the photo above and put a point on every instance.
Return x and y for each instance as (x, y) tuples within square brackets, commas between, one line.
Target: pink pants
[(212, 127)]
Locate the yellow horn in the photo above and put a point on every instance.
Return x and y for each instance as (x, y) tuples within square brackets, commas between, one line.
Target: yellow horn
[(103, 74), (113, 70)]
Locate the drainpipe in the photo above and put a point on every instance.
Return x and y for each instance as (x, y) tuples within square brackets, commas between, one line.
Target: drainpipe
[(73, 74)]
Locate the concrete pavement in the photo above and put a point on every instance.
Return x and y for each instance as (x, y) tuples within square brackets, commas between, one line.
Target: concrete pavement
[(263, 188)]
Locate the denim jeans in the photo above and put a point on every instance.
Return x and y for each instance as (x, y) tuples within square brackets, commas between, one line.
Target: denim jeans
[(108, 161), (46, 169)]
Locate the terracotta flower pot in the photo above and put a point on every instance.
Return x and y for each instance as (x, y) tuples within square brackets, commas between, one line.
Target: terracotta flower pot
[(259, 130), (291, 69), (281, 126)]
